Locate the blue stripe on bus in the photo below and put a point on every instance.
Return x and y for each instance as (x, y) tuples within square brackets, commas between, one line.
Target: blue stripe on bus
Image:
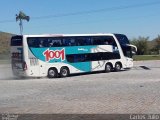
[(83, 66)]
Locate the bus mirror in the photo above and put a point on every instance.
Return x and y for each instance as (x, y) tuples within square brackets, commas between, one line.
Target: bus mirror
[(133, 53), (134, 50)]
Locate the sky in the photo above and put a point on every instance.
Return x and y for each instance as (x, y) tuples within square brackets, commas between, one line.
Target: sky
[(133, 18)]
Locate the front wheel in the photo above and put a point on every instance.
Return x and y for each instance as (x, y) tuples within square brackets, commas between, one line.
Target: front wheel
[(64, 72)]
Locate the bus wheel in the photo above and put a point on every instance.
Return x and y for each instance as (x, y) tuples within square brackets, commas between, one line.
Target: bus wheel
[(52, 73), (108, 67), (64, 72), (118, 66)]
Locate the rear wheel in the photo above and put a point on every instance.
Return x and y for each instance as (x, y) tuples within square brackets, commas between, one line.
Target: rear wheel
[(64, 72), (108, 67), (118, 66), (52, 73)]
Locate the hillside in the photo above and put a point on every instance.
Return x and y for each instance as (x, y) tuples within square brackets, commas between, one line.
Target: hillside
[(4, 44)]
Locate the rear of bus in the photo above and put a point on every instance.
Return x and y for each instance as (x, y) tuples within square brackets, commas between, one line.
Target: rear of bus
[(17, 56)]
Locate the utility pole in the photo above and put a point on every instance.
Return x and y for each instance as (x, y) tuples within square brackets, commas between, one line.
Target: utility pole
[(20, 17)]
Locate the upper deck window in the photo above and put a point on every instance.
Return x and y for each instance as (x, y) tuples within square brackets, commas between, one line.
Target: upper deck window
[(70, 41)]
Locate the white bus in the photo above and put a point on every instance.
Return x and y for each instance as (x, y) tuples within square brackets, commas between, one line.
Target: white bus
[(62, 55)]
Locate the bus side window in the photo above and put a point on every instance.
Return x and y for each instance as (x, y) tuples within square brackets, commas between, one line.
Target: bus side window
[(56, 43), (41, 43), (79, 41), (63, 42), (97, 41), (69, 42), (51, 42), (94, 41), (66, 42), (72, 42), (30, 42), (105, 42), (87, 41), (33, 42), (70, 58), (111, 41)]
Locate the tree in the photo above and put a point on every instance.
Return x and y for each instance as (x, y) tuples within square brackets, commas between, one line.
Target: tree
[(21, 16), (142, 45), (158, 44)]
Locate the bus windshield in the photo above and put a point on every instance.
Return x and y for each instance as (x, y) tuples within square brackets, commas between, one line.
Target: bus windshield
[(124, 42)]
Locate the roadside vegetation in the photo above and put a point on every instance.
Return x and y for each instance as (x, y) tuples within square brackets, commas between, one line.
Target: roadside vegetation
[(146, 49), (145, 46)]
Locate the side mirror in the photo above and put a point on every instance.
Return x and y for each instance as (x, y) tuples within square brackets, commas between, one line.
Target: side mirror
[(133, 53)]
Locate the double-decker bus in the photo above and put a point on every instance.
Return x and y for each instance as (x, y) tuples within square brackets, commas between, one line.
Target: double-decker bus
[(61, 55)]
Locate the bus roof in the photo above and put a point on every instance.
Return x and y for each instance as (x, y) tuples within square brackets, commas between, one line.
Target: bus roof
[(68, 35)]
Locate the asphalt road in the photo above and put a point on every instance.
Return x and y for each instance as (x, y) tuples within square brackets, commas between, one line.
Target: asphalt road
[(133, 91)]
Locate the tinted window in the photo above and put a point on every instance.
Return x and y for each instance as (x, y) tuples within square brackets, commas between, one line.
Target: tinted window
[(76, 41), (122, 39), (52, 42), (92, 57), (127, 51), (32, 42), (83, 41), (70, 41), (16, 41), (44, 42), (104, 40)]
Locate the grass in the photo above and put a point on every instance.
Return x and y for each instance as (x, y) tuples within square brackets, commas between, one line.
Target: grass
[(146, 57)]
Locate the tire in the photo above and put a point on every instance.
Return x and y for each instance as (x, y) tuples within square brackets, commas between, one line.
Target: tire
[(52, 73), (108, 68), (118, 67), (64, 72)]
